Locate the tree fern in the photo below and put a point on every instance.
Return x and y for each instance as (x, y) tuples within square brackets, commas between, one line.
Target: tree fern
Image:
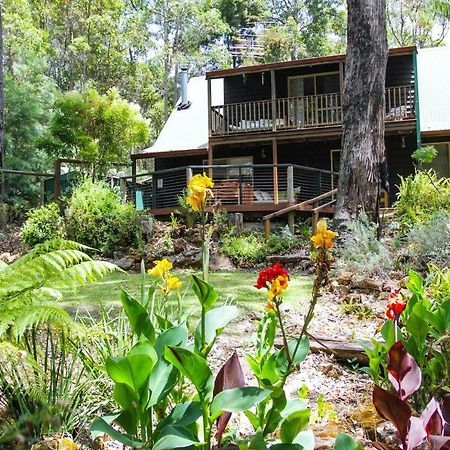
[(30, 287)]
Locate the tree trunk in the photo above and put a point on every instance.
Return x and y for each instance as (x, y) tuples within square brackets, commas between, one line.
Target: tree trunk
[(2, 110), (363, 166)]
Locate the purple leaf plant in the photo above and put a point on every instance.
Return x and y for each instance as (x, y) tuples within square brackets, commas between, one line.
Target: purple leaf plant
[(432, 427)]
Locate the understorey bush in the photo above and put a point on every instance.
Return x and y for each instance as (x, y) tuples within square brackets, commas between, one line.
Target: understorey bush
[(42, 224), (360, 251), (421, 196), (428, 242), (96, 217)]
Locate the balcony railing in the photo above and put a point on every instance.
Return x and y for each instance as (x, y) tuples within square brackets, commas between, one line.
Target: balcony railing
[(235, 185), (300, 112)]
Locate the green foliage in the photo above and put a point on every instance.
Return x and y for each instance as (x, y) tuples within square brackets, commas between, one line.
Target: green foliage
[(425, 155), (251, 247), (97, 218), (360, 251), (45, 388), (423, 330), (29, 288), (428, 243), (42, 224), (420, 197), (100, 129)]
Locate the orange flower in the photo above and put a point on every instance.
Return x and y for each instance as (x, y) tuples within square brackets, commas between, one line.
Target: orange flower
[(323, 237), (275, 279)]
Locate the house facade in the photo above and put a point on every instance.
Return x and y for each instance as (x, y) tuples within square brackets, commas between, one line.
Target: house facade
[(270, 135)]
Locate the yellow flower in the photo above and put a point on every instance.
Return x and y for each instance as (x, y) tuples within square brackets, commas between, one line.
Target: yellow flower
[(323, 237), (278, 286), (270, 306), (173, 283), (199, 188), (162, 267)]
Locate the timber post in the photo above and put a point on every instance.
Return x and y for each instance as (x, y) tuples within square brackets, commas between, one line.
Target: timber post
[(275, 171), (291, 222), (57, 187), (273, 98), (267, 229), (188, 175), (290, 185)]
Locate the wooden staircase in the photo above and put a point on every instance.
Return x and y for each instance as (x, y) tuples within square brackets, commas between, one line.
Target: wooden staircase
[(314, 205)]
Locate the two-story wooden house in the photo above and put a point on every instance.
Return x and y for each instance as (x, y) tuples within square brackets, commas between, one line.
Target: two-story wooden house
[(270, 135)]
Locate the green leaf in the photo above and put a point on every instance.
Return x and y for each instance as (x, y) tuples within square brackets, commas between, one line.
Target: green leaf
[(294, 423), (177, 336), (306, 440), (182, 415), (300, 355), (236, 400), (138, 316), (215, 321), (134, 368), (193, 367), (286, 447), (101, 426), (175, 437), (206, 294), (346, 442)]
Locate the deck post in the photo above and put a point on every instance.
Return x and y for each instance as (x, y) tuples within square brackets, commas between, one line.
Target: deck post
[(210, 161), (291, 221), (209, 108), (273, 97), (290, 185), (57, 186), (315, 219), (267, 229), (275, 171), (123, 189), (188, 175), (133, 178)]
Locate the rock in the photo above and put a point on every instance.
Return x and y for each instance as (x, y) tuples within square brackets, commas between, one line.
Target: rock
[(189, 258), (293, 258), (118, 255), (220, 262), (368, 284), (6, 257), (126, 263)]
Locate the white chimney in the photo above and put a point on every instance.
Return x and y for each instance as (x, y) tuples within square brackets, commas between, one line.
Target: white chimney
[(184, 88)]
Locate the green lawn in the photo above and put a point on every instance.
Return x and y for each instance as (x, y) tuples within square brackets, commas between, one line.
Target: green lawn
[(236, 287)]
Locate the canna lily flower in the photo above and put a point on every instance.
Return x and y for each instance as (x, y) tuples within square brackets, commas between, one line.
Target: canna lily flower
[(173, 283), (275, 279), (395, 306), (199, 189), (323, 237), (161, 269)]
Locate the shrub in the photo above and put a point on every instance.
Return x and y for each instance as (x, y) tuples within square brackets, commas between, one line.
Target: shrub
[(97, 218), (43, 224), (429, 242), (249, 248), (360, 250), (420, 197)]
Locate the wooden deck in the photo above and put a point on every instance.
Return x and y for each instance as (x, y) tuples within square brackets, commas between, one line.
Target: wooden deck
[(313, 114)]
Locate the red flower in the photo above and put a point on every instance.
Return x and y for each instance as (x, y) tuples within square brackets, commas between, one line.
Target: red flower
[(267, 276), (395, 306)]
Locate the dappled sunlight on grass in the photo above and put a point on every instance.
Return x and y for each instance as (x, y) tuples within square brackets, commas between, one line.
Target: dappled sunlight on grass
[(233, 287)]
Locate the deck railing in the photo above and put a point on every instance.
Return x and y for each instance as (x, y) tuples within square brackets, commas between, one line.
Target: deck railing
[(235, 185), (300, 112)]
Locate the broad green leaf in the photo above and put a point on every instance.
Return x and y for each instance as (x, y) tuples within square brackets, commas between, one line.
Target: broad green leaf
[(346, 442), (175, 437), (258, 442), (286, 447), (293, 405), (306, 440), (134, 368), (101, 426), (236, 400), (215, 321), (253, 418), (291, 426), (177, 336), (206, 294), (418, 328), (193, 367), (182, 415), (300, 354), (138, 316)]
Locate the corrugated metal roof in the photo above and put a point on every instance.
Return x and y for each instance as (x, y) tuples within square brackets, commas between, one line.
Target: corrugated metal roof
[(188, 129), (433, 67)]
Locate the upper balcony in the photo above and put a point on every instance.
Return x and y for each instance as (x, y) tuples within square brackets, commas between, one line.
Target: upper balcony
[(302, 95), (307, 111)]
